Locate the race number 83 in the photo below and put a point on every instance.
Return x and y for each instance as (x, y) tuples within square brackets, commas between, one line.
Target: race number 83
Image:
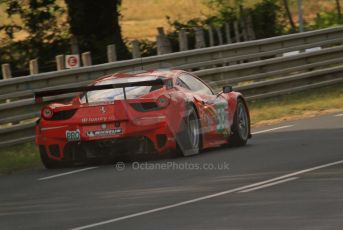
[(222, 119)]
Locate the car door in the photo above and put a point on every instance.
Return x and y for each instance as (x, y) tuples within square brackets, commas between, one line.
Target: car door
[(212, 109)]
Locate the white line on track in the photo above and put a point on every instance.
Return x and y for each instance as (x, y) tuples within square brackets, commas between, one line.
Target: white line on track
[(273, 129), (269, 185), (207, 197), (67, 173), (339, 115)]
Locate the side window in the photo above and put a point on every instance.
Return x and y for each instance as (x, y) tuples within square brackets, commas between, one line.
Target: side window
[(195, 84), (180, 83)]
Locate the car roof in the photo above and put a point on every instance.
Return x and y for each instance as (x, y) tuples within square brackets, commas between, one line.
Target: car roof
[(167, 73)]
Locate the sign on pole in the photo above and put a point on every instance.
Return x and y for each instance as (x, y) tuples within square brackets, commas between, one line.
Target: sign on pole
[(300, 16), (72, 61)]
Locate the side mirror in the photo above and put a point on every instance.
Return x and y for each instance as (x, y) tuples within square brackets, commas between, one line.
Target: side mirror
[(227, 89)]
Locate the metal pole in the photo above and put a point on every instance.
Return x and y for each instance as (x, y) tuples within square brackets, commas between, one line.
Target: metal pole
[(300, 16)]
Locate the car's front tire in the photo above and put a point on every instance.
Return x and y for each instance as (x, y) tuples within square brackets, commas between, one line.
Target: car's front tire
[(241, 125)]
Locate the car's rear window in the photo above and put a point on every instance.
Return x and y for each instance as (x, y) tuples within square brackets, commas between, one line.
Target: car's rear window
[(107, 95)]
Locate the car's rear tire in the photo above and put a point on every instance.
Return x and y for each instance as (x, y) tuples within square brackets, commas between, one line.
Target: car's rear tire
[(189, 139), (241, 125), (49, 163)]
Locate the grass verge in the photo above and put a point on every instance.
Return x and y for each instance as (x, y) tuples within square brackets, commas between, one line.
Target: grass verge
[(19, 157), (307, 103), (263, 112)]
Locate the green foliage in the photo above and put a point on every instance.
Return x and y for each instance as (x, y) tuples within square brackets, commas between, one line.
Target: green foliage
[(265, 19), (18, 54), (226, 11), (147, 48), (47, 32), (326, 19), (189, 26), (38, 18), (96, 25), (46, 36)]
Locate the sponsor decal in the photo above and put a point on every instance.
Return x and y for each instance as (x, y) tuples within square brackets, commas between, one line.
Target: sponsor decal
[(107, 132), (222, 118), (73, 135), (97, 119), (210, 118), (102, 109)]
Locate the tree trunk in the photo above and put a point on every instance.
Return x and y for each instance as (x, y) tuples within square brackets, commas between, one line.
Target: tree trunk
[(95, 24), (338, 5), (289, 15)]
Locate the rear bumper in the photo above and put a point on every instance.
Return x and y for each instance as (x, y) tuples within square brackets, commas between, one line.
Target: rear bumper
[(148, 137)]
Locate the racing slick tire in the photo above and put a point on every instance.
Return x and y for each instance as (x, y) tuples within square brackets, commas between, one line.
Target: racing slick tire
[(189, 139), (241, 125)]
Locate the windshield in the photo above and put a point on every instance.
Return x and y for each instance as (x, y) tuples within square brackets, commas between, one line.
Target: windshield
[(107, 95)]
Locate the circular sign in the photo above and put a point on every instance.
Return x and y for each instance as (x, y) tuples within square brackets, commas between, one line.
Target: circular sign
[(72, 61)]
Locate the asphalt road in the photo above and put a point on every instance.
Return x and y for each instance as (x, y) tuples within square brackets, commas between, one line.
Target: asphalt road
[(289, 176)]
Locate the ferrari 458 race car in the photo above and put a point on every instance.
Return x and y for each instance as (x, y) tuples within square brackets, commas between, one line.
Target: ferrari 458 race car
[(153, 112)]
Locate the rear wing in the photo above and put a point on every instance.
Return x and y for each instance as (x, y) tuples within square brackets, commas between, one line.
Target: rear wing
[(39, 94)]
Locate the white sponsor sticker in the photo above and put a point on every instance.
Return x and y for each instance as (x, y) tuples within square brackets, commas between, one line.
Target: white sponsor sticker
[(107, 132)]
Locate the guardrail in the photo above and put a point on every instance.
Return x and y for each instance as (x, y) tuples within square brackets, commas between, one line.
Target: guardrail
[(258, 68)]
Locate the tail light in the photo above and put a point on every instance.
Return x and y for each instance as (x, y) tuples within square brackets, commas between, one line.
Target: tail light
[(163, 101), (47, 113)]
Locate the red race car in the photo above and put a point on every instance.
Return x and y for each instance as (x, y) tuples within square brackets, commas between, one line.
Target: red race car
[(143, 112)]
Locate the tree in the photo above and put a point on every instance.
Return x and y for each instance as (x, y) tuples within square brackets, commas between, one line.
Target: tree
[(35, 18), (289, 15), (265, 19), (95, 24), (47, 33), (44, 32)]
